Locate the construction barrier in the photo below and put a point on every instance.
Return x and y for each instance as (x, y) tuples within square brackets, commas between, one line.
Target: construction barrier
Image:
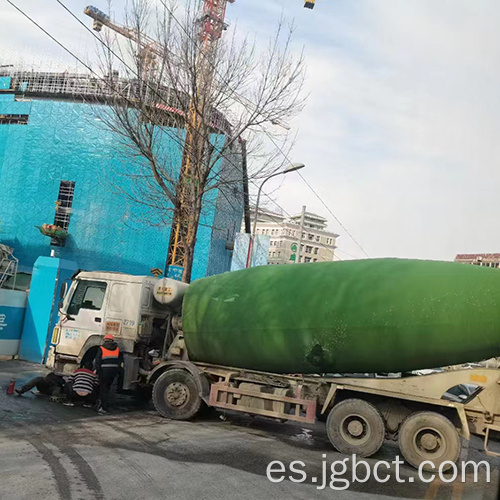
[(12, 312)]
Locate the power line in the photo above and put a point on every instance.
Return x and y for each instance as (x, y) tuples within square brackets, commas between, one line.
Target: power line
[(93, 72), (154, 90), (96, 74), (267, 133)]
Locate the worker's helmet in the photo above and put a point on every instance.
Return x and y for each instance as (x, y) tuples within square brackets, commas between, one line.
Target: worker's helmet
[(108, 336)]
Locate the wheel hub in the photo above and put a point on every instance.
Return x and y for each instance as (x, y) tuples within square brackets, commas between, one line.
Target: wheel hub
[(355, 428), (429, 442), (177, 394)]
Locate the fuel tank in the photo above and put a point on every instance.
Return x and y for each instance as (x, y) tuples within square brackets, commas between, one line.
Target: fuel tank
[(375, 315)]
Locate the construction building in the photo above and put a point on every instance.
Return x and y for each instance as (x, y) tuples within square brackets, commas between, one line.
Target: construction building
[(58, 165), (285, 233), (479, 259)]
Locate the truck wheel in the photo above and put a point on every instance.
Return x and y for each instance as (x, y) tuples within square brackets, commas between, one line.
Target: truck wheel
[(427, 435), (176, 395), (355, 427)]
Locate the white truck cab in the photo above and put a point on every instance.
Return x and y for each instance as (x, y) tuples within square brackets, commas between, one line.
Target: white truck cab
[(98, 303)]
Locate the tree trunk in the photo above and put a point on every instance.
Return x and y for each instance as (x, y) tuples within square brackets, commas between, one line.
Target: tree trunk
[(191, 231)]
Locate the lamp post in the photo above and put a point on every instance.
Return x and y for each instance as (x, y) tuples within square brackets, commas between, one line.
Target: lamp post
[(291, 168)]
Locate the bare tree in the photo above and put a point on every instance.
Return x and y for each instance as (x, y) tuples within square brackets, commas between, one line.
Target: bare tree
[(188, 96)]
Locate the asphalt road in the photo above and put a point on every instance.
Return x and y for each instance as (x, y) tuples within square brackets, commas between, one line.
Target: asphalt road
[(51, 451)]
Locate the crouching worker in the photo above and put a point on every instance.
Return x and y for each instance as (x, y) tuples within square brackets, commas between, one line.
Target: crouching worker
[(108, 363), (82, 387), (50, 385)]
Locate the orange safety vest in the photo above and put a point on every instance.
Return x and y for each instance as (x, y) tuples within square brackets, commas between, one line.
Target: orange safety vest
[(110, 359)]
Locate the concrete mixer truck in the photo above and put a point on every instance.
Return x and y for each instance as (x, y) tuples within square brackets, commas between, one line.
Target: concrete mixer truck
[(304, 342)]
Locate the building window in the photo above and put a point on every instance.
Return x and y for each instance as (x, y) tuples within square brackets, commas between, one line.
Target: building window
[(315, 260), (307, 259), (14, 119), (317, 238), (309, 249), (63, 209), (316, 251), (310, 237)]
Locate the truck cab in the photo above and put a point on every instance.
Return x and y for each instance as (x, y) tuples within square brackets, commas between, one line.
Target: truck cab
[(100, 303)]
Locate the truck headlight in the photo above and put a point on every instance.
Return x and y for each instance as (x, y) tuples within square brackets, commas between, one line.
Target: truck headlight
[(55, 335)]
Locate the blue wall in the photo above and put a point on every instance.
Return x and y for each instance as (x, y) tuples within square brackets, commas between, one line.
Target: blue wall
[(42, 309), (63, 141)]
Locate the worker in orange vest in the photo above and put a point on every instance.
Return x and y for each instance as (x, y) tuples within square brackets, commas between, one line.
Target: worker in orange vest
[(108, 363)]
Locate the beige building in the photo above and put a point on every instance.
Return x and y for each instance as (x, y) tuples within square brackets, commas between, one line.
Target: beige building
[(479, 259), (316, 244)]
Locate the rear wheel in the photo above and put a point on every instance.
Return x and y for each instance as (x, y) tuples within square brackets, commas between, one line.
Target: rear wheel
[(176, 395), (429, 436), (355, 427)]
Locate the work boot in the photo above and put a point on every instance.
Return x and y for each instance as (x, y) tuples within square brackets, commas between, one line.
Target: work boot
[(102, 411), (19, 392)]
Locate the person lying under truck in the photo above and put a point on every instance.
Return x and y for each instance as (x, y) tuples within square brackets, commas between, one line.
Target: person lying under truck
[(50, 385), (82, 387)]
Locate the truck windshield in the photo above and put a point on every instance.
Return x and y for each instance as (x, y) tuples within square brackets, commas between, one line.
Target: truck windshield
[(88, 295)]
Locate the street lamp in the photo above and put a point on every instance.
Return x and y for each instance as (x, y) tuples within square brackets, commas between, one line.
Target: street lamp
[(289, 168)]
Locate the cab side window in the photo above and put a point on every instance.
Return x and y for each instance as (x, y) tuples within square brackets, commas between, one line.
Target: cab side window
[(88, 295)]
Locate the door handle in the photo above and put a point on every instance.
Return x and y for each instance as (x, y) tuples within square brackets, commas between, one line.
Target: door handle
[(97, 320)]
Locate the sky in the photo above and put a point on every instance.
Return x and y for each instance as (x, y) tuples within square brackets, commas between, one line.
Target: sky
[(400, 131)]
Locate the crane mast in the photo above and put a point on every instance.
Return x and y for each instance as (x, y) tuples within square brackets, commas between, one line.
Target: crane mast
[(183, 233), (211, 27)]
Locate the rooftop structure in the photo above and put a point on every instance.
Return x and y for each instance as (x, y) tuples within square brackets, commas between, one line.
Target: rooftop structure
[(91, 88), (479, 259)]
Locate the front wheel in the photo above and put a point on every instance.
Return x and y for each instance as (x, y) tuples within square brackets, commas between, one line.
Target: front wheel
[(431, 437), (176, 395)]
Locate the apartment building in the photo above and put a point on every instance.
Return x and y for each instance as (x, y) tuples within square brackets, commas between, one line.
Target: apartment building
[(479, 259), (316, 244)]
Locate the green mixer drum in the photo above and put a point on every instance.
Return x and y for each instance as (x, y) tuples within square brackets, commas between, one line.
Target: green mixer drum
[(379, 315)]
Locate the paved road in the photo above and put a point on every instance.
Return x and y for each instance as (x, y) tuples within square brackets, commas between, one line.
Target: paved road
[(51, 451)]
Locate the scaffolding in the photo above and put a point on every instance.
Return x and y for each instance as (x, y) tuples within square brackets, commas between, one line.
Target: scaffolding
[(85, 87)]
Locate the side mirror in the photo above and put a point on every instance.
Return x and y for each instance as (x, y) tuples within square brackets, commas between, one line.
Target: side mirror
[(62, 292)]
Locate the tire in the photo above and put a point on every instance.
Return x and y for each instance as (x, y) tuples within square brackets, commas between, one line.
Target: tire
[(176, 395), (427, 435), (355, 427)]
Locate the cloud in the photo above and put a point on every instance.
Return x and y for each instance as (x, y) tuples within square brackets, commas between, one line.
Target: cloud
[(399, 134)]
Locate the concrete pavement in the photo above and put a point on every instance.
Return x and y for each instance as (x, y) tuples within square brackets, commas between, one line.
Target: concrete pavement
[(51, 451)]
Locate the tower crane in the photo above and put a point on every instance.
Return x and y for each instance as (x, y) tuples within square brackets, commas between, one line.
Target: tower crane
[(149, 48), (212, 26)]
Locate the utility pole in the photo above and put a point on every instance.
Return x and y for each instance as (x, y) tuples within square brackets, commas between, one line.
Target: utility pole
[(301, 230), (246, 201)]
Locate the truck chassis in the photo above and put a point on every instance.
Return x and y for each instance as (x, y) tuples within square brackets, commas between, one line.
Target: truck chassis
[(361, 412)]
